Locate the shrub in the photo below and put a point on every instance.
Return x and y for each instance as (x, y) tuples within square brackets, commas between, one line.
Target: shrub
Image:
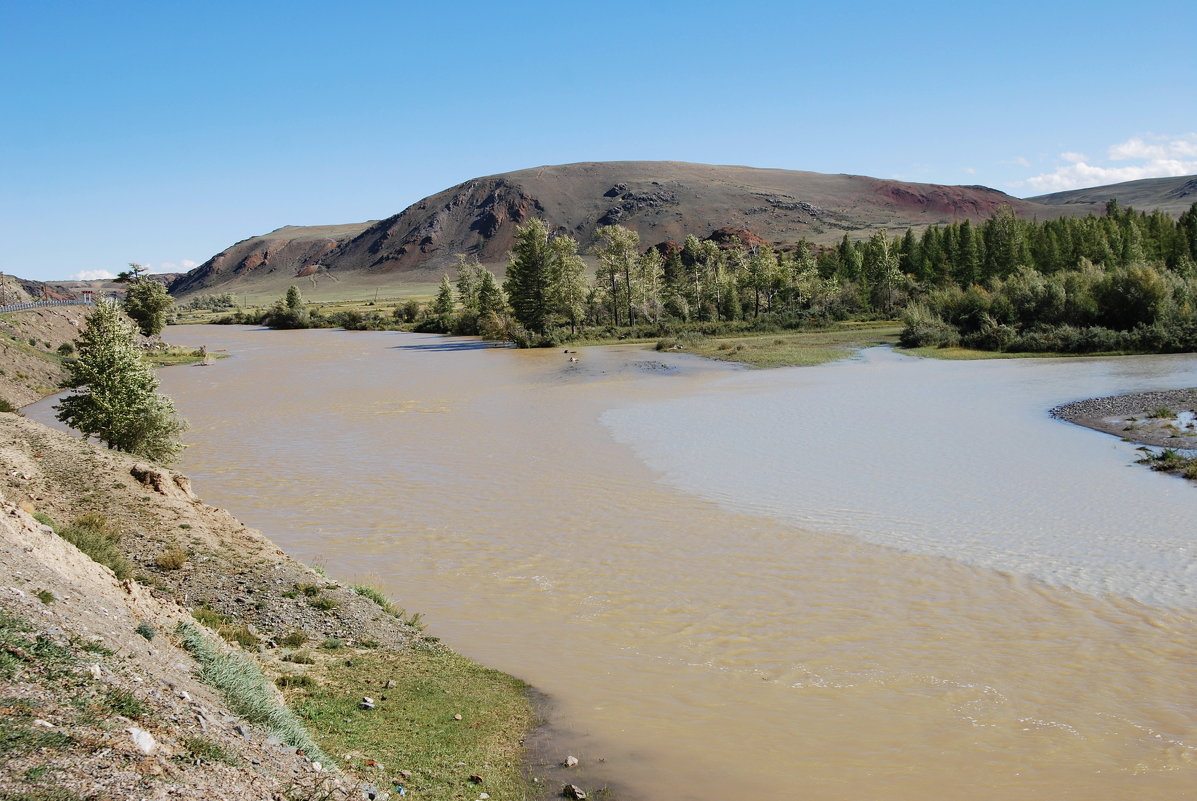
[(294, 639), (300, 658), (324, 604), (145, 630), (172, 558), (333, 644)]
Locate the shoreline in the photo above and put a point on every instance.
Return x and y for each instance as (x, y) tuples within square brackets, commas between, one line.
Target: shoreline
[(1130, 417), (544, 743)]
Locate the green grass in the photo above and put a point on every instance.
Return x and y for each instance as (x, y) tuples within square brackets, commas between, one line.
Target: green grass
[(1170, 461), (175, 354), (237, 676), (198, 751), (375, 595), (413, 727), (209, 616), (18, 650), (793, 349), (122, 702), (93, 534)]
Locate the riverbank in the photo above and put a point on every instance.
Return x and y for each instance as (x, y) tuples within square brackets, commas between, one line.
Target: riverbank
[(435, 721)]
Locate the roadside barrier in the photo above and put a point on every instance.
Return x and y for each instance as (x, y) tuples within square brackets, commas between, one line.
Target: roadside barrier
[(41, 303)]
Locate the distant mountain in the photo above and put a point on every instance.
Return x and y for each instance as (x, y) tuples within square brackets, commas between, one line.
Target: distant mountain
[(1170, 195), (25, 290), (662, 201)]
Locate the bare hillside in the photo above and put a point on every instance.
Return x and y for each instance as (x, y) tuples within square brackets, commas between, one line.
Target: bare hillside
[(1170, 195)]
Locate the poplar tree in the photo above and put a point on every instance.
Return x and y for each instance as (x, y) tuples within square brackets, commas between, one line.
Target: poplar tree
[(116, 398), (617, 252)]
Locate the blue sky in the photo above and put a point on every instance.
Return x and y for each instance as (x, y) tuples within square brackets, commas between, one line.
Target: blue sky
[(162, 132)]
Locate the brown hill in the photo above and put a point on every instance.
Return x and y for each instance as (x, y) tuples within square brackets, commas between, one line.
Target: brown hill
[(1170, 195), (288, 252), (662, 201)]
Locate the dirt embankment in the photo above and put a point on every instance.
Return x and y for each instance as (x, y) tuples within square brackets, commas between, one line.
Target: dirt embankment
[(98, 696), (30, 362), (1160, 419)]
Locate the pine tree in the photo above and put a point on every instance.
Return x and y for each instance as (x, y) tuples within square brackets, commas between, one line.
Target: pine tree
[(116, 398)]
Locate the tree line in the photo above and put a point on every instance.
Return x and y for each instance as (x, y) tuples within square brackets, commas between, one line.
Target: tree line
[(1005, 283)]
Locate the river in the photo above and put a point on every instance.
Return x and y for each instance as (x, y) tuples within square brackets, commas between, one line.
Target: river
[(886, 578)]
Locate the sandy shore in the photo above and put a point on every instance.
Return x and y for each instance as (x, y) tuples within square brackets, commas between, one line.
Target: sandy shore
[(1131, 417)]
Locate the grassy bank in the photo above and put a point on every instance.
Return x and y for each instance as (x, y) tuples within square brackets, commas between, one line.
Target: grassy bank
[(790, 349), (441, 726)]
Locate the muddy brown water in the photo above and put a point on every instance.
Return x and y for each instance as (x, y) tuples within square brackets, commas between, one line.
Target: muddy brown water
[(885, 578)]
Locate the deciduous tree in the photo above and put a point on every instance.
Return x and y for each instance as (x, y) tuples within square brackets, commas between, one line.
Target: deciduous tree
[(116, 398)]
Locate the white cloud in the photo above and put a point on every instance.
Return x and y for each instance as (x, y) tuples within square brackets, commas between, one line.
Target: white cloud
[(93, 275), (188, 264), (970, 170), (1162, 148), (1156, 157)]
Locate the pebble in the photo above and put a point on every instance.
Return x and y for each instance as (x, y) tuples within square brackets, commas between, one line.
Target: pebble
[(573, 791), (366, 703), (570, 761), (457, 717)]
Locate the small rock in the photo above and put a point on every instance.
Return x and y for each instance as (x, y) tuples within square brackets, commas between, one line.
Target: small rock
[(483, 796), (406, 774), (476, 779), (316, 766), (573, 791), (95, 671), (457, 717), (390, 684), (240, 729), (366, 703), (570, 761), (144, 741), (47, 724)]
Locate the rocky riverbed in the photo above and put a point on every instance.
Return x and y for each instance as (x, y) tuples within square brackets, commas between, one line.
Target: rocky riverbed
[(1162, 419)]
